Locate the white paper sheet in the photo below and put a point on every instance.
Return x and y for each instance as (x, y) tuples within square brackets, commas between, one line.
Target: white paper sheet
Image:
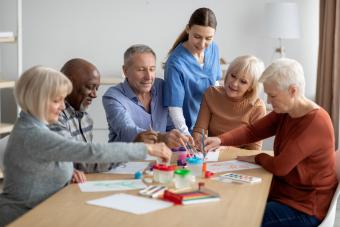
[(217, 167), (212, 156), (130, 203), (129, 168), (111, 185)]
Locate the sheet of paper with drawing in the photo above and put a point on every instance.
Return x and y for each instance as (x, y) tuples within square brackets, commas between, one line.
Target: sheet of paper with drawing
[(129, 168), (111, 185), (227, 166), (131, 203)]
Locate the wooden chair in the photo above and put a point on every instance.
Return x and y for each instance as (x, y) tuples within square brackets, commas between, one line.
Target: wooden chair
[(328, 221)]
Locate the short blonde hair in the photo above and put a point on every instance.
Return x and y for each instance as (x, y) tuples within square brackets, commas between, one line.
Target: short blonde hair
[(285, 72), (250, 65), (37, 86)]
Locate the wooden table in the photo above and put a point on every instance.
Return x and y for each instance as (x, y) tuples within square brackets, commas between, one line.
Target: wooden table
[(240, 205)]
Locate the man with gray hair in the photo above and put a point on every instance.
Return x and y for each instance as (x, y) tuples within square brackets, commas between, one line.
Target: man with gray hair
[(134, 108)]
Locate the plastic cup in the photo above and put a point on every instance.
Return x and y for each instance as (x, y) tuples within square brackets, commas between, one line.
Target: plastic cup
[(163, 174), (183, 178), (195, 165)]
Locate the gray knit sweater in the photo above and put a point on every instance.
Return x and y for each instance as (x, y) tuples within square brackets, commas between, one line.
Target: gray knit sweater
[(38, 163)]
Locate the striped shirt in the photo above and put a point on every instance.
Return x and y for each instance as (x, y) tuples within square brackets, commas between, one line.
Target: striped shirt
[(78, 126)]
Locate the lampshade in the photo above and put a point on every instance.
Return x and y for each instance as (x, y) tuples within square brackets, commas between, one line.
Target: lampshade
[(282, 20)]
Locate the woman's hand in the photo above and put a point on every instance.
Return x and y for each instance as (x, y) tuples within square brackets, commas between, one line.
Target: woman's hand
[(197, 137), (191, 140), (78, 177), (211, 143), (159, 150), (250, 158)]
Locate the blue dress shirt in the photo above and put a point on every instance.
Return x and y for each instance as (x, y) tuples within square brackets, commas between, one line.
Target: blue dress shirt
[(126, 115), (186, 80)]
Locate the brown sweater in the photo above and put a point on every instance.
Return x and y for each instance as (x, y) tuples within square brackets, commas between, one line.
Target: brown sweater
[(219, 114), (304, 160)]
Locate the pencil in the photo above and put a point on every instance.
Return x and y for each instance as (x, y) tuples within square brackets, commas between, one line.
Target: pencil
[(203, 151)]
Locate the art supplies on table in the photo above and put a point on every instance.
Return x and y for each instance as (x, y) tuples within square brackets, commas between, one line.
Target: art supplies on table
[(153, 191), (163, 174), (111, 185), (195, 164), (131, 203), (138, 175), (129, 168), (178, 154), (240, 178), (208, 174), (183, 178), (192, 150), (203, 145), (227, 166), (202, 195)]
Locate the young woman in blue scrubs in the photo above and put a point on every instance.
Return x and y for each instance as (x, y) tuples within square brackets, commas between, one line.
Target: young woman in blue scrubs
[(192, 66)]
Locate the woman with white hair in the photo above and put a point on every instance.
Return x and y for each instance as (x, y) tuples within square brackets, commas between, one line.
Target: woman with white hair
[(38, 162), (224, 108), (303, 166)]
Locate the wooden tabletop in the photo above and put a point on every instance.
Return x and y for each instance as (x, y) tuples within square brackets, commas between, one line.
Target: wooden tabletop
[(240, 205)]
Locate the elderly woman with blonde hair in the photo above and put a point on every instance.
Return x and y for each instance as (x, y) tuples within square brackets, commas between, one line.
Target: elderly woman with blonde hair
[(38, 162), (303, 165), (224, 108)]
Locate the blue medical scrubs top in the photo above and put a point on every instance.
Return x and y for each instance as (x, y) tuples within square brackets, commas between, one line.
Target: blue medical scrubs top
[(186, 80)]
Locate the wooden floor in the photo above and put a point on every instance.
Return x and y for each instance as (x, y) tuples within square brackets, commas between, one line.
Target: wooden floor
[(337, 217)]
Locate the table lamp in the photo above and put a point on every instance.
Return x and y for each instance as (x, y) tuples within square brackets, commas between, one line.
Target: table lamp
[(282, 22)]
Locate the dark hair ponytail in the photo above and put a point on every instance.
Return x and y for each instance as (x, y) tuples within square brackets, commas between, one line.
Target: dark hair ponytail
[(201, 16)]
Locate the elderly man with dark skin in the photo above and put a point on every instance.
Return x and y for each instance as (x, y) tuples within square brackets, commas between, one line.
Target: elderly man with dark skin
[(74, 122)]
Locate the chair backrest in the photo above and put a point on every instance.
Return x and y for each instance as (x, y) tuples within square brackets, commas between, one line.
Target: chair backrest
[(3, 144), (328, 221), (337, 164)]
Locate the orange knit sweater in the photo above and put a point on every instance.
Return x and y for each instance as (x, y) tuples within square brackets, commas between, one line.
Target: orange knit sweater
[(304, 162), (219, 114)]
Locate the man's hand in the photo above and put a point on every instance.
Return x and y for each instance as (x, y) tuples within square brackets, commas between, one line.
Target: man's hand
[(78, 177), (147, 137), (174, 138)]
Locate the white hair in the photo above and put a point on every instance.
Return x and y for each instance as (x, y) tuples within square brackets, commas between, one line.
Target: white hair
[(285, 72), (250, 65)]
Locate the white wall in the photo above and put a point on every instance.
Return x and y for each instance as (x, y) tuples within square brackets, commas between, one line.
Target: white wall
[(100, 31)]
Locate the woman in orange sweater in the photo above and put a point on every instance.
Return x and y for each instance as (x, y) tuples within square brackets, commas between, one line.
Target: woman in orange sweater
[(224, 108), (303, 166)]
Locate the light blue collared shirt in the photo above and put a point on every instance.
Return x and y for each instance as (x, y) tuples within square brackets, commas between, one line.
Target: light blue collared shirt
[(126, 115)]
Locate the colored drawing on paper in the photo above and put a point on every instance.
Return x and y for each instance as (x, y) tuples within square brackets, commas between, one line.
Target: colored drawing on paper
[(217, 167), (111, 185)]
